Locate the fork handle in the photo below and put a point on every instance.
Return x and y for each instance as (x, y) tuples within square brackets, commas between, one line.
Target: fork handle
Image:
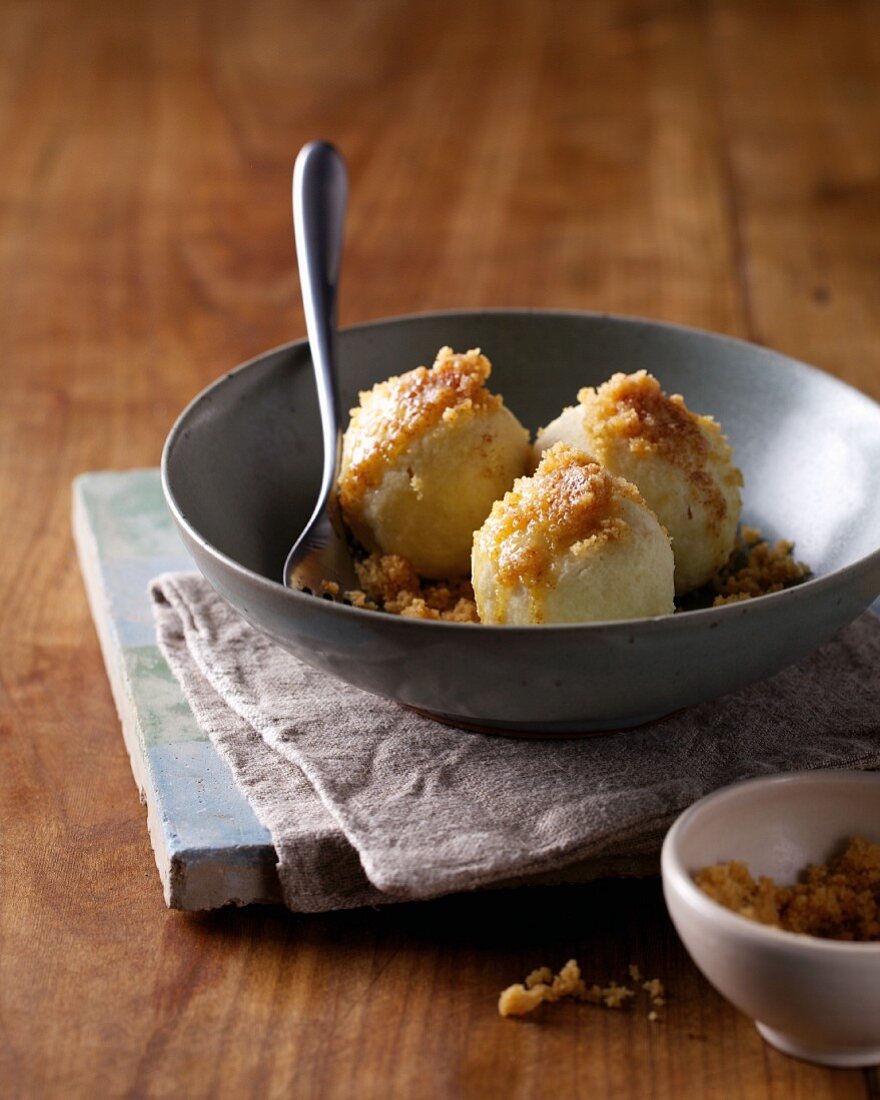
[(320, 190)]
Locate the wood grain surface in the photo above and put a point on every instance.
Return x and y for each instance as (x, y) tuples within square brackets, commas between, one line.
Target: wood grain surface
[(715, 163)]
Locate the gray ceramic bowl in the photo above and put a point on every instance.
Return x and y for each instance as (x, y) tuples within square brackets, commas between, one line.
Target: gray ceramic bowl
[(241, 469)]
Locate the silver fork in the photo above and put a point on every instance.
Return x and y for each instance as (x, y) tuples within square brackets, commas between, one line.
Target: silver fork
[(322, 553)]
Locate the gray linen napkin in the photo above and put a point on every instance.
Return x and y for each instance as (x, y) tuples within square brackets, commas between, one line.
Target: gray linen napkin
[(367, 802)]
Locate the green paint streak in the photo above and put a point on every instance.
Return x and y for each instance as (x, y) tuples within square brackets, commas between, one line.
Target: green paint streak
[(164, 714), (128, 514)]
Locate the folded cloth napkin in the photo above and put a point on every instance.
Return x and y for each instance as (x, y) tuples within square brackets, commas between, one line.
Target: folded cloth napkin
[(368, 802)]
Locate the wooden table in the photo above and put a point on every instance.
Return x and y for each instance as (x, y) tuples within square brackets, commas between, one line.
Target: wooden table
[(715, 163)]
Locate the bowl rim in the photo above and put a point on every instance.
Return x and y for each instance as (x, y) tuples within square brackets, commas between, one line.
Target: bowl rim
[(764, 605), (676, 877)]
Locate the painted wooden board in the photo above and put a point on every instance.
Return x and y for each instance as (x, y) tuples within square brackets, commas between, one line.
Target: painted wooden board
[(210, 848)]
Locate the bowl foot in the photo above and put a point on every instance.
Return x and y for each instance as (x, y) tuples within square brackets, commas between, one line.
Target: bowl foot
[(549, 730), (845, 1057)]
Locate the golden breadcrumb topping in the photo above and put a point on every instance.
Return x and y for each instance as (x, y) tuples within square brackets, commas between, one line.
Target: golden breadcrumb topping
[(634, 408), (757, 568), (542, 986), (569, 500), (838, 901), (394, 413), (389, 583)]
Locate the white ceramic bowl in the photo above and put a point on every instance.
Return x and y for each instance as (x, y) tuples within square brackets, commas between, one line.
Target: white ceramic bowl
[(815, 999)]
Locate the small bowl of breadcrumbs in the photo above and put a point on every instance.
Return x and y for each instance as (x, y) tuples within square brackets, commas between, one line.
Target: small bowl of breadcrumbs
[(773, 885)]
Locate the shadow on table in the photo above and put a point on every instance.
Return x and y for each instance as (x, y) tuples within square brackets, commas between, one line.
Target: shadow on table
[(620, 917)]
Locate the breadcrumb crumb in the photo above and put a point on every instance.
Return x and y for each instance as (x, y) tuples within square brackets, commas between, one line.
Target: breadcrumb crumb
[(543, 975), (615, 996), (654, 988), (516, 1000)]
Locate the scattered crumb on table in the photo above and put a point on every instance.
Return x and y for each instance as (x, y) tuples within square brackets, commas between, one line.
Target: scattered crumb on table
[(541, 986)]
